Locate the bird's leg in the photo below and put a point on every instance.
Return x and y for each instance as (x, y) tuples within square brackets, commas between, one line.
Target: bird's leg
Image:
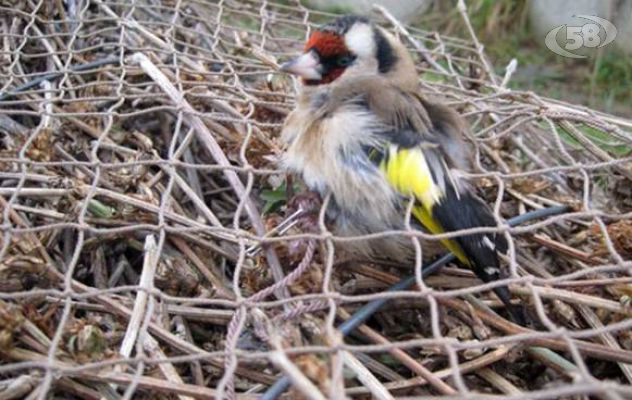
[(289, 186)]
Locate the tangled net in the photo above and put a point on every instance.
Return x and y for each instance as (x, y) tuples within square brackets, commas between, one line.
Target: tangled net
[(150, 247)]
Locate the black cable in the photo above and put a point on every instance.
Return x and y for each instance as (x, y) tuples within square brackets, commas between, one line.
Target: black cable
[(57, 74), (360, 316)]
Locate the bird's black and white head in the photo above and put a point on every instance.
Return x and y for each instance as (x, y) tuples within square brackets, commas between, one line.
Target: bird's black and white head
[(349, 46)]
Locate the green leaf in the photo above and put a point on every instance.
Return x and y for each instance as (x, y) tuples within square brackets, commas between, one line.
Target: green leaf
[(100, 210), (275, 198)]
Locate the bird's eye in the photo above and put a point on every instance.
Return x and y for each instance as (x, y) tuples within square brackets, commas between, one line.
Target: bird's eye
[(344, 61)]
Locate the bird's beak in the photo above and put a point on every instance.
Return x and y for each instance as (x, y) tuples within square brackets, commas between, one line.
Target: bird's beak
[(306, 66)]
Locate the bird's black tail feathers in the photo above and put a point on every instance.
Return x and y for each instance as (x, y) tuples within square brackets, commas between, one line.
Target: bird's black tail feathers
[(516, 312), (463, 211)]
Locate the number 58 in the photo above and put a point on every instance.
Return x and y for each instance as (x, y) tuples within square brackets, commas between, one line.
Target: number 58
[(578, 36)]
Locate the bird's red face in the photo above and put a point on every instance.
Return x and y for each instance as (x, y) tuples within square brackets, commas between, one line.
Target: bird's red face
[(325, 58)]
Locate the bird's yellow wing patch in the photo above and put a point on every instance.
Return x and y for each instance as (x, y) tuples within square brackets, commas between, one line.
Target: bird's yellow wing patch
[(407, 170)]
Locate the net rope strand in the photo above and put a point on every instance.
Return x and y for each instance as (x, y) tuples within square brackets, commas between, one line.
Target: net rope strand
[(95, 157)]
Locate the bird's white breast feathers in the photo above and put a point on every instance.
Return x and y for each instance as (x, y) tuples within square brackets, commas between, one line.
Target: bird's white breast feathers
[(328, 153)]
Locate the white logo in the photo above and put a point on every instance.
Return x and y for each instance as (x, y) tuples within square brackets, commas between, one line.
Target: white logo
[(581, 36)]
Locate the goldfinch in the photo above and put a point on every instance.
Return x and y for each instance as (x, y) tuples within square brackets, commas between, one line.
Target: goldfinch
[(362, 132)]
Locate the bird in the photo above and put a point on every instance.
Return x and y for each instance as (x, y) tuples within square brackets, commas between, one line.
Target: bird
[(363, 132)]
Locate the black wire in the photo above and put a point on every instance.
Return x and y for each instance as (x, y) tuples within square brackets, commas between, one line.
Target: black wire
[(57, 74), (360, 316)]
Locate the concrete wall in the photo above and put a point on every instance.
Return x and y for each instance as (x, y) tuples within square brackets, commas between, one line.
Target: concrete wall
[(404, 10)]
